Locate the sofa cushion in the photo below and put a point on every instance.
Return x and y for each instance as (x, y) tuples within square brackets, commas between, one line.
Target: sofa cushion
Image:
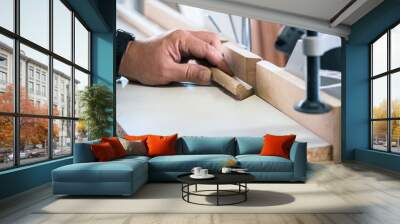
[(112, 171), (103, 152), (129, 159), (136, 137), (116, 145), (159, 145), (275, 145), (185, 163), (83, 152), (257, 163), (134, 147), (249, 145), (196, 145)]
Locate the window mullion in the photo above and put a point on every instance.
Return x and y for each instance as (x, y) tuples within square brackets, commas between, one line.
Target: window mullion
[(73, 82), (389, 101), (16, 83), (371, 140), (50, 81)]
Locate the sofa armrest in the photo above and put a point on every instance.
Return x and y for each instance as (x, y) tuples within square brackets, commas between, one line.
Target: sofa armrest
[(298, 155), (83, 152)]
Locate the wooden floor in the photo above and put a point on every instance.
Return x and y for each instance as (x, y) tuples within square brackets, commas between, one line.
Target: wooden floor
[(379, 189)]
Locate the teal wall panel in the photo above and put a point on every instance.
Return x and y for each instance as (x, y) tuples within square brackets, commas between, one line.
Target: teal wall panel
[(91, 12), (355, 86), (99, 16), (24, 178), (355, 103), (103, 65), (103, 53), (380, 159)]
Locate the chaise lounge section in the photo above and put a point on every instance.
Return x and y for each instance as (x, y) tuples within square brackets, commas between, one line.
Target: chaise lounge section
[(125, 176)]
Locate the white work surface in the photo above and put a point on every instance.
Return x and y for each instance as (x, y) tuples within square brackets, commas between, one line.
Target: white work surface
[(201, 110)]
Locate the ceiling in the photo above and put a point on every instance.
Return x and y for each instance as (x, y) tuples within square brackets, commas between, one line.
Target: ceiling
[(327, 16)]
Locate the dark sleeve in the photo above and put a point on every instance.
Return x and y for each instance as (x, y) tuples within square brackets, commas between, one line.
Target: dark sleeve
[(122, 39)]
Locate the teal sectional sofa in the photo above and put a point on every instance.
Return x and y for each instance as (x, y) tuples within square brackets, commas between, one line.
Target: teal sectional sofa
[(125, 176)]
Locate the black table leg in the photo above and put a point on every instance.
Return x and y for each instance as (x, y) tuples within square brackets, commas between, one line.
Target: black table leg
[(245, 193), (188, 190), (217, 194), (220, 193)]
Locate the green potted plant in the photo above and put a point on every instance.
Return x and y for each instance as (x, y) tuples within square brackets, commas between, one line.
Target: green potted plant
[(96, 103)]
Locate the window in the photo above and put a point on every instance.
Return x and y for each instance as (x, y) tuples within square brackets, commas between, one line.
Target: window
[(34, 21), (62, 137), (62, 74), (44, 91), (3, 72), (38, 73), (7, 14), (37, 90), (30, 87), (45, 122), (81, 45), (33, 140), (6, 142), (30, 72), (3, 61), (3, 78), (81, 81), (62, 29), (6, 73), (385, 91)]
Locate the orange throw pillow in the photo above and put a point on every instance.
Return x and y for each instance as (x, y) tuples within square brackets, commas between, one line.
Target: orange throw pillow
[(116, 145), (161, 145), (277, 145), (136, 137), (103, 152)]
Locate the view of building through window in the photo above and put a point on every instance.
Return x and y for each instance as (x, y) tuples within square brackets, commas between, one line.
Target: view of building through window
[(385, 82), (41, 83)]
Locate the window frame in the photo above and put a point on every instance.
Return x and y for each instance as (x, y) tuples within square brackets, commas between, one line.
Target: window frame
[(388, 74), (16, 115)]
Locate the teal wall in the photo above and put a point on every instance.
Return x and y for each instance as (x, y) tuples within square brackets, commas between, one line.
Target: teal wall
[(355, 86), (99, 16), (24, 178), (103, 61)]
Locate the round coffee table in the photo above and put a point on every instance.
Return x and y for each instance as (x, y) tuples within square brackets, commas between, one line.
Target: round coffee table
[(238, 179)]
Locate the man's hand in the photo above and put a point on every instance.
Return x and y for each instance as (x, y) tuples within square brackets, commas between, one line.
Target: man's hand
[(159, 61)]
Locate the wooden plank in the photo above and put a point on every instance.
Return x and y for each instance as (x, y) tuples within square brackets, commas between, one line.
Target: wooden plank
[(167, 17), (239, 89), (283, 90), (241, 62), (171, 19), (139, 22)]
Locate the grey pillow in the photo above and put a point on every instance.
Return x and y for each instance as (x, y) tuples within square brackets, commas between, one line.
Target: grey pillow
[(137, 148)]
